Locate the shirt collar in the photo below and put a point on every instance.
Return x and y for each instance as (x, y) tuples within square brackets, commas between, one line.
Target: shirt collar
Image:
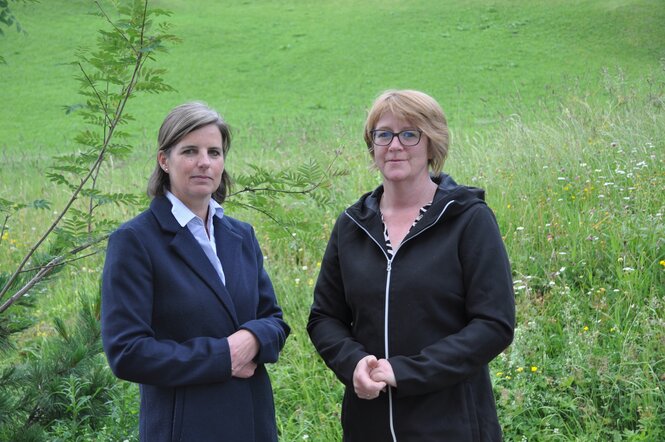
[(182, 213)]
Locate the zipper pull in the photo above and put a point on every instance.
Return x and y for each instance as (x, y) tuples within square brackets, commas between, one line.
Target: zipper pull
[(390, 264)]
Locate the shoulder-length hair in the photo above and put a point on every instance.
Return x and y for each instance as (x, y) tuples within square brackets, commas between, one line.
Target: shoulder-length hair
[(178, 123)]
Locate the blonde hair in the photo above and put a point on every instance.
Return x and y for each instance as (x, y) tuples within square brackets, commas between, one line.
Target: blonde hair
[(418, 109)]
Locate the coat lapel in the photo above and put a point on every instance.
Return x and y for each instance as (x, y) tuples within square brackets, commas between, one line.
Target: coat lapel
[(228, 249), (185, 246)]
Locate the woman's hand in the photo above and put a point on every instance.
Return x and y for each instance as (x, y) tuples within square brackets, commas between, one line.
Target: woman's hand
[(244, 347), (383, 372), (363, 384)]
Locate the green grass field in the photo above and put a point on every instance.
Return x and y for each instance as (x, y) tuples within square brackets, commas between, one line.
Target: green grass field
[(557, 108)]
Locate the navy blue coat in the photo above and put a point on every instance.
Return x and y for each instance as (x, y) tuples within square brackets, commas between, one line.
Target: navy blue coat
[(165, 319)]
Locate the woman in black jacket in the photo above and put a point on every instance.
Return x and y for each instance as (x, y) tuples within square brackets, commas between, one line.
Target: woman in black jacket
[(414, 297)]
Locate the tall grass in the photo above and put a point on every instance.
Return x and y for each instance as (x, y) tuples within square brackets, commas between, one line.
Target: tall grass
[(578, 197)]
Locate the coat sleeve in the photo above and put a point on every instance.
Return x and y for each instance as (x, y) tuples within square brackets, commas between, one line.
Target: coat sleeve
[(269, 328), (330, 317), (490, 315), (133, 351)]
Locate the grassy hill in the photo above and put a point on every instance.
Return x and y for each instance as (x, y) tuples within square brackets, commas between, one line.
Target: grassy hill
[(326, 60)]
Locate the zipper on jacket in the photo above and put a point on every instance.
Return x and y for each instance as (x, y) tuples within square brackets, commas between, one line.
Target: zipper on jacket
[(389, 267)]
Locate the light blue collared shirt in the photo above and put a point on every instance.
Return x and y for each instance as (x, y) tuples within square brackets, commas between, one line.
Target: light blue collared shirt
[(186, 217)]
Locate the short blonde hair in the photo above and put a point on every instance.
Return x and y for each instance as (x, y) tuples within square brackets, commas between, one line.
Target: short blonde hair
[(418, 109)]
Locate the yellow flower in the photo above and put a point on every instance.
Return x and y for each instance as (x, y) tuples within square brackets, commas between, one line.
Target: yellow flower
[(586, 328), (662, 261), (6, 235), (520, 369), (534, 369), (499, 374)]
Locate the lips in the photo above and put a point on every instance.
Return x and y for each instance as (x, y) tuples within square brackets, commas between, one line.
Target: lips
[(201, 177)]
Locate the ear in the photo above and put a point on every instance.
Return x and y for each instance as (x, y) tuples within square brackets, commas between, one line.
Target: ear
[(162, 160)]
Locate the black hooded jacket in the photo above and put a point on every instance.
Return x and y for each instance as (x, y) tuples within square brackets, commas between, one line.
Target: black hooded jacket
[(440, 310)]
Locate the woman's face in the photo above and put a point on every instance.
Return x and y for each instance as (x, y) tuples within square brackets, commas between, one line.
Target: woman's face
[(396, 161), (195, 166)]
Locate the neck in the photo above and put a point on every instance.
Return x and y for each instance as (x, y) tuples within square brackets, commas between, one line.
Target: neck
[(201, 211), (407, 194)]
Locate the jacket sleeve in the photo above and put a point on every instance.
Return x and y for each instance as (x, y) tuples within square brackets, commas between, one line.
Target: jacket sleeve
[(269, 328), (330, 318), (490, 315), (133, 351)]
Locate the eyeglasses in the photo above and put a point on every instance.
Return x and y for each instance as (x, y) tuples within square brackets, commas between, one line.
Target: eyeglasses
[(382, 137)]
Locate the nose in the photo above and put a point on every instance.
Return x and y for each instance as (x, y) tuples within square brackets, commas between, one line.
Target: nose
[(395, 143), (204, 159)]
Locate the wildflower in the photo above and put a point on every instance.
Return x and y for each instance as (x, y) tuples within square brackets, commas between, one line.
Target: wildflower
[(628, 269), (534, 369), (304, 267), (520, 369), (662, 263), (297, 281), (586, 328), (5, 236), (499, 374)]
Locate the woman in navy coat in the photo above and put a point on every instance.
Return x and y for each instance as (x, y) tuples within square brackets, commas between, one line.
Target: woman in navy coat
[(188, 310)]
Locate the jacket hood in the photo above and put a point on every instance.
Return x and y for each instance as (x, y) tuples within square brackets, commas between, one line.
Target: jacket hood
[(462, 197)]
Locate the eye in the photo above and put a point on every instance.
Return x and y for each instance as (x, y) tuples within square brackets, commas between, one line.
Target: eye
[(382, 134), (215, 152), (409, 134)]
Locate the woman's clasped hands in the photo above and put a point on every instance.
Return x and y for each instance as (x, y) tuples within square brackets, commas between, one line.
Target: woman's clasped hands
[(243, 347), (371, 376)]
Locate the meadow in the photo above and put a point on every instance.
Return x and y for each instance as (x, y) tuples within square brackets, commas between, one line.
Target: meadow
[(556, 108)]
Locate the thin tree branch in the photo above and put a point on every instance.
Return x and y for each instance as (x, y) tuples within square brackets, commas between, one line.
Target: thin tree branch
[(118, 30), (46, 269), (4, 227), (306, 191), (265, 212)]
